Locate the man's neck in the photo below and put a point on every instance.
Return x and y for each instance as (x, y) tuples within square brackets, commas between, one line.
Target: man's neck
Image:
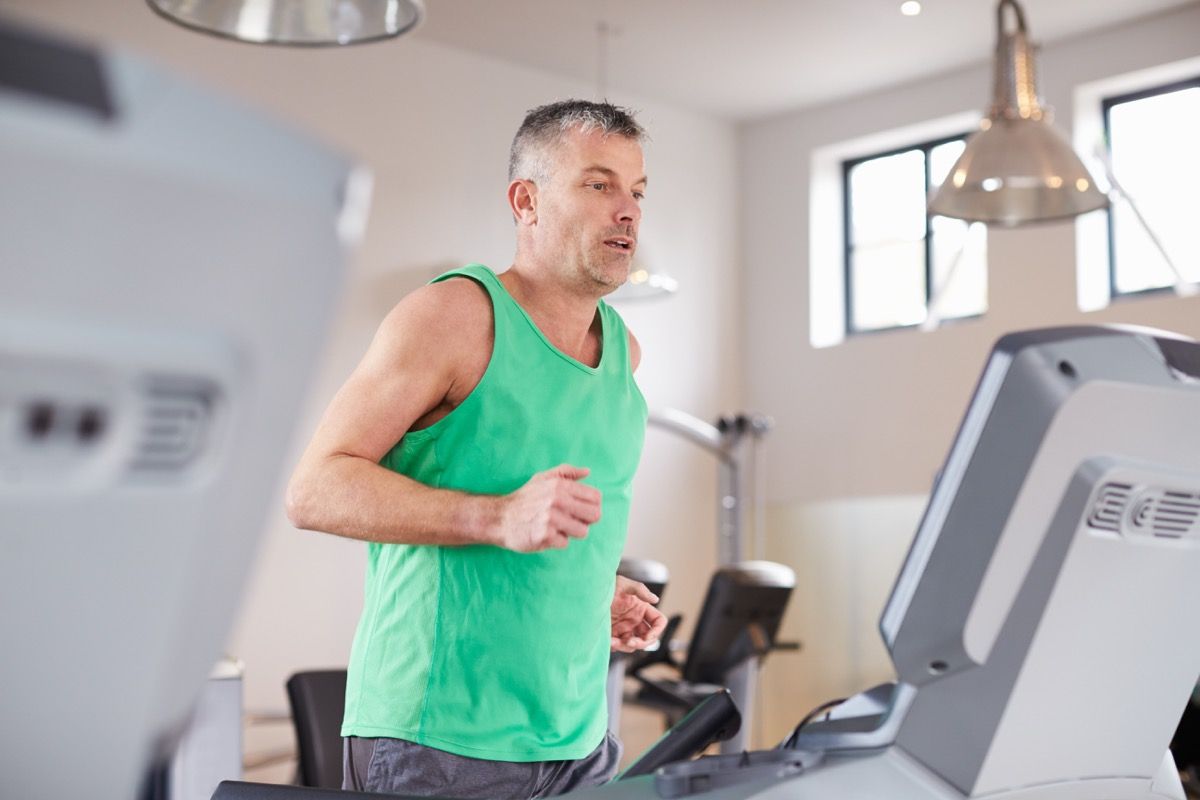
[(564, 314)]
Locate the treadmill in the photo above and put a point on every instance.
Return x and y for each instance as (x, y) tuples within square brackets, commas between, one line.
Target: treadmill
[(1035, 625)]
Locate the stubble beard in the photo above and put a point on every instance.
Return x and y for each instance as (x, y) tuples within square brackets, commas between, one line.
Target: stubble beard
[(607, 269)]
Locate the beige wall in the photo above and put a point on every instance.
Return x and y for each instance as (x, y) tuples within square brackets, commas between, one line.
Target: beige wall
[(846, 554), (864, 425)]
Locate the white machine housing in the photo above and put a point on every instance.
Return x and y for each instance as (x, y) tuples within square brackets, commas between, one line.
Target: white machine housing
[(169, 262), (1068, 661)]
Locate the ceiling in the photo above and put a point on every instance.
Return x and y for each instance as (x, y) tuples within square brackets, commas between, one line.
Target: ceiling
[(733, 60), (753, 58)]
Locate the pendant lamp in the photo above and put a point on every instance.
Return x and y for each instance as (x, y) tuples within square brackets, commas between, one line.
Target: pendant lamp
[(1017, 168), (296, 22)]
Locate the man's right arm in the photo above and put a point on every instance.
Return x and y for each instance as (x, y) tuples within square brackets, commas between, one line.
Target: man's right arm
[(425, 353)]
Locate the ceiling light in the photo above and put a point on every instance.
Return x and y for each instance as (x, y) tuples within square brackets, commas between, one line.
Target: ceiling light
[(296, 22), (910, 8), (1017, 168), (644, 284)]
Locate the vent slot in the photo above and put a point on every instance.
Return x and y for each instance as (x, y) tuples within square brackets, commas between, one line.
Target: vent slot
[(1110, 506), (1166, 514), (176, 419), (1138, 510)]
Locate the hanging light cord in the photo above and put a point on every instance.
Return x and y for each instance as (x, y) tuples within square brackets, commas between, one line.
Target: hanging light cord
[(602, 33), (1014, 92), (933, 313)]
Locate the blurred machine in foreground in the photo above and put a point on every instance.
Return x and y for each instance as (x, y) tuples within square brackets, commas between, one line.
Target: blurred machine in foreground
[(168, 265)]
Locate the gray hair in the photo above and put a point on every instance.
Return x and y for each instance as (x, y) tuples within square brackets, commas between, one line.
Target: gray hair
[(545, 126)]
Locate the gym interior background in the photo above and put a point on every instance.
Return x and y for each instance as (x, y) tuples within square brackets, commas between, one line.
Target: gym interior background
[(861, 426)]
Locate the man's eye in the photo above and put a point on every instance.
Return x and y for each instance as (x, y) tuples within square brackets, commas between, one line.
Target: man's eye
[(639, 195), (597, 186)]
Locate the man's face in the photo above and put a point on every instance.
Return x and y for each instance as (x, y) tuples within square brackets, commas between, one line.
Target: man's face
[(589, 210)]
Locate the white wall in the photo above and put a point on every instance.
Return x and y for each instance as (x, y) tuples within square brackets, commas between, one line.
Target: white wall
[(435, 124), (873, 417)]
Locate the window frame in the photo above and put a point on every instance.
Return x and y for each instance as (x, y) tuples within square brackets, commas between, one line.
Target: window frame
[(926, 147), (1107, 103)]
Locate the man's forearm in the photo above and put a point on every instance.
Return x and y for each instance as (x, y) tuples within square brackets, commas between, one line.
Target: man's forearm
[(350, 496)]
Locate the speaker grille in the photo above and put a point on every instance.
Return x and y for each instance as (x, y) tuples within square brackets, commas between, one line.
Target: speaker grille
[(1110, 506), (1146, 511), (1169, 514), (176, 417)]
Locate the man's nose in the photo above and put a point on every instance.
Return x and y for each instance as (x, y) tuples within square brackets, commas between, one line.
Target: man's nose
[(629, 210)]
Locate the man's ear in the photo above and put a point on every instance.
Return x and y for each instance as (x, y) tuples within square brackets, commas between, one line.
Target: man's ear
[(522, 199)]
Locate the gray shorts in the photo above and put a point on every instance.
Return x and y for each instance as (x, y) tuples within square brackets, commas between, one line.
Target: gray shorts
[(401, 767)]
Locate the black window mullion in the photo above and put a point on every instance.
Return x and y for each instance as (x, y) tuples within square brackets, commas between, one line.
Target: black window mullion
[(1108, 211), (928, 153), (849, 245), (848, 248)]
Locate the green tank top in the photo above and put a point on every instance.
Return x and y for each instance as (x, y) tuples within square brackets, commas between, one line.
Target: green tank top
[(478, 650)]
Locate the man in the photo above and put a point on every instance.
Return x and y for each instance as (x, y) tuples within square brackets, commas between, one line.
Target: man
[(485, 448)]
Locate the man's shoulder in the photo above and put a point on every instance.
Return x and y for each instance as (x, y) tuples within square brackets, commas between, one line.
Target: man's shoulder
[(458, 305), (457, 293)]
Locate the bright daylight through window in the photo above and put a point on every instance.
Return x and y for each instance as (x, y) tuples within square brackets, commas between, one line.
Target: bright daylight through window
[(1154, 144), (903, 266)]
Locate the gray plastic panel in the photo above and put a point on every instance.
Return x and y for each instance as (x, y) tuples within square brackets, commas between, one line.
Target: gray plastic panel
[(1026, 379), (192, 246), (1028, 702)]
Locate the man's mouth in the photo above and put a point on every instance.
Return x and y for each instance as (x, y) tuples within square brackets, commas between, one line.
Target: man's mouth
[(620, 243)]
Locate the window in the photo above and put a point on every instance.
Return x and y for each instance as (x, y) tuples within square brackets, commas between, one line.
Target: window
[(899, 260), (1153, 138)]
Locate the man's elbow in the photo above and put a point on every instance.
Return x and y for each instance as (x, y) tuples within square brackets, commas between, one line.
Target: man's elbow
[(298, 503)]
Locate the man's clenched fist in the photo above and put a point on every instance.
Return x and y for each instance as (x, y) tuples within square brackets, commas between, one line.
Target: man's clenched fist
[(552, 508)]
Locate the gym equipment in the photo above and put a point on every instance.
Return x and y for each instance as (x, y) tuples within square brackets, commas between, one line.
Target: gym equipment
[(716, 718), (245, 790), (736, 441), (318, 701), (170, 264), (654, 574), (1035, 624), (736, 629), (1185, 745)]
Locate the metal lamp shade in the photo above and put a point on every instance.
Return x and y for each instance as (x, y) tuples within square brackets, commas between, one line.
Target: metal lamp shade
[(296, 22), (1015, 171), (1017, 168)]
